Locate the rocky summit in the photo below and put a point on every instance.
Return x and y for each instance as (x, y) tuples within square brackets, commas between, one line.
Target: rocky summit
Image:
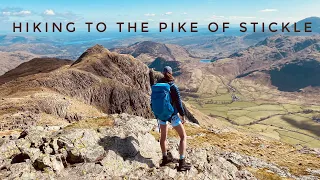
[(119, 146)]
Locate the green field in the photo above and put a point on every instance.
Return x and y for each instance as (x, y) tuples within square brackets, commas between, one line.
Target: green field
[(289, 123)]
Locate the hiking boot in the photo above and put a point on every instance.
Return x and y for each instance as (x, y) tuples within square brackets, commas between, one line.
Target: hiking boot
[(166, 160), (183, 166)]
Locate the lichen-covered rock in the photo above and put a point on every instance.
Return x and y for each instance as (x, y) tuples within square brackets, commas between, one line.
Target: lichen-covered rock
[(49, 161), (125, 150), (8, 149)]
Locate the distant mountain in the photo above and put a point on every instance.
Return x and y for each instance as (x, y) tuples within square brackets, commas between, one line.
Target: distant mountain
[(10, 60), (282, 64), (315, 24), (208, 47), (148, 51), (287, 63), (277, 50), (159, 63)]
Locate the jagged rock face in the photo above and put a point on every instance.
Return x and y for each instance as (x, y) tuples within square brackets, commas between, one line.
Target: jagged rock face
[(110, 82), (123, 68)]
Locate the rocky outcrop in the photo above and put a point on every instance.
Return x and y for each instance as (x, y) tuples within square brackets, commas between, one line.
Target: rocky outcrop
[(125, 148), (110, 82)]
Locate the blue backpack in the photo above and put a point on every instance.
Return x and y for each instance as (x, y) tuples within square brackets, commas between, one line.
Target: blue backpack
[(161, 101)]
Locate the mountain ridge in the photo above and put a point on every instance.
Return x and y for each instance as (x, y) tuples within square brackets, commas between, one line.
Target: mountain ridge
[(148, 51), (97, 80)]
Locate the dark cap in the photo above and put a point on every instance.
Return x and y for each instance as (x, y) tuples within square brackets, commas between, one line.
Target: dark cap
[(167, 69)]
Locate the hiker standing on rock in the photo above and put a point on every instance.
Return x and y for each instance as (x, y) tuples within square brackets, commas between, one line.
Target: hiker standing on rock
[(166, 104)]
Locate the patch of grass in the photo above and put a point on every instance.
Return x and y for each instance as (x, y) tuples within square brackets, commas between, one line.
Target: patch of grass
[(243, 120), (265, 130), (314, 108), (263, 114), (266, 107), (292, 107), (217, 108), (215, 113), (242, 104), (9, 110), (10, 132), (222, 90), (237, 113), (92, 123), (297, 138), (295, 122), (275, 116), (264, 174)]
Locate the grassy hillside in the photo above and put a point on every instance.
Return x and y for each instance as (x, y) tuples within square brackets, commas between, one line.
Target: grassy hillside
[(291, 123)]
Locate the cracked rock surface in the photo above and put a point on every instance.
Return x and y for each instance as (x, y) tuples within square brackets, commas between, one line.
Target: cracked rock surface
[(127, 149)]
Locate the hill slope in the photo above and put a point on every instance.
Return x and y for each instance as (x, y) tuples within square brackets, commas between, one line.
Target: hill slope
[(10, 60), (34, 66), (271, 88), (112, 83), (147, 51), (315, 24)]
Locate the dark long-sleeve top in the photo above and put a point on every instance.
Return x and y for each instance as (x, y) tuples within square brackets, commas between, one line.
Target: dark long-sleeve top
[(175, 97)]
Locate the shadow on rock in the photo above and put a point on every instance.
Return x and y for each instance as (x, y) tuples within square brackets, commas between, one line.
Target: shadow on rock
[(127, 148)]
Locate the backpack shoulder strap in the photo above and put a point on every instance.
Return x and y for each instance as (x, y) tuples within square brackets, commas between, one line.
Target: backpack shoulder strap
[(171, 84)]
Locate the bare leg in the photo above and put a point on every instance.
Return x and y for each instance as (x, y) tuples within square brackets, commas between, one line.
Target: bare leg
[(183, 139), (163, 137)]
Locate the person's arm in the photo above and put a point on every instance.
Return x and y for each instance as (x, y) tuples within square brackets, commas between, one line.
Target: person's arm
[(176, 99), (151, 76)]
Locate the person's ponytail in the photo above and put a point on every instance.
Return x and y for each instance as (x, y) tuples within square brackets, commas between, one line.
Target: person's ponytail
[(168, 77)]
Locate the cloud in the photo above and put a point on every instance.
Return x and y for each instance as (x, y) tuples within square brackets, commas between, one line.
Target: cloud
[(6, 13), (15, 12), (242, 17), (150, 15), (215, 17), (49, 12), (184, 13), (269, 10), (164, 19), (22, 13), (168, 13), (3, 18), (51, 15)]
